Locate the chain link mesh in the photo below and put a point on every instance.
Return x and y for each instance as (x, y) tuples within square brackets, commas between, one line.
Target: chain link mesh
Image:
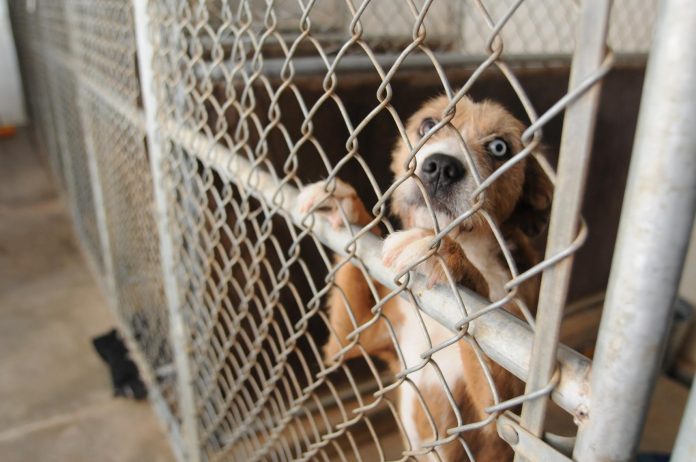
[(78, 59), (256, 101), (67, 115), (254, 278), (128, 205)]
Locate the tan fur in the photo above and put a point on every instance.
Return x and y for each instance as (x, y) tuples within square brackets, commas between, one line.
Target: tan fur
[(351, 295), (518, 202)]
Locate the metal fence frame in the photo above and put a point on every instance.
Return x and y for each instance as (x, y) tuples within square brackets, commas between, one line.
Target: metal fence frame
[(70, 102)]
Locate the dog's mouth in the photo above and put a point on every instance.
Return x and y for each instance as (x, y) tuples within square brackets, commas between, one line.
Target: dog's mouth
[(442, 207), (446, 206), (420, 205), (438, 205)]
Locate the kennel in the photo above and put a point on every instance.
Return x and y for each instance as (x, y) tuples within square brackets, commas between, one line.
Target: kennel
[(180, 132)]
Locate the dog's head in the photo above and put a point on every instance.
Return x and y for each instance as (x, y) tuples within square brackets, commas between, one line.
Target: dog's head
[(521, 197)]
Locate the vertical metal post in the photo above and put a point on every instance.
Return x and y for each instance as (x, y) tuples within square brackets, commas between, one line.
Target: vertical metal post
[(98, 195), (178, 331), (41, 114), (656, 221), (685, 446), (576, 144), (49, 66), (82, 105), (55, 115), (44, 131)]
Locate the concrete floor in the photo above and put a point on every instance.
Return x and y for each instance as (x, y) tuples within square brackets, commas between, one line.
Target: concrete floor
[(55, 394)]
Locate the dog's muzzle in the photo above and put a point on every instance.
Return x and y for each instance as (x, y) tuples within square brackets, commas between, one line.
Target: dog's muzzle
[(440, 171)]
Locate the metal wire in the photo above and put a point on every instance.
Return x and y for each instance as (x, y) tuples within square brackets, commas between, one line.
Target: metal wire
[(242, 92), (78, 63)]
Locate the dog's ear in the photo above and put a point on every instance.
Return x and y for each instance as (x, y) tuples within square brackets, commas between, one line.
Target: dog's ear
[(531, 215)]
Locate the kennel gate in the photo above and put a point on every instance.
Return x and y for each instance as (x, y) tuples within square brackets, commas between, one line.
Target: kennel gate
[(180, 132)]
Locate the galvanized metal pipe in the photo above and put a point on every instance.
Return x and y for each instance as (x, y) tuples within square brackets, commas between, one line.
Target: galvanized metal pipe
[(576, 145), (62, 146), (657, 217), (84, 114), (98, 197), (178, 332)]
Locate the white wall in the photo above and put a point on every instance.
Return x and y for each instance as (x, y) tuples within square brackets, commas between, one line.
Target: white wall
[(688, 282), (11, 97)]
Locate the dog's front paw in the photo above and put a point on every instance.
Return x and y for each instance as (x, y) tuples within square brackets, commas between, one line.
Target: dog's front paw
[(404, 249), (342, 205)]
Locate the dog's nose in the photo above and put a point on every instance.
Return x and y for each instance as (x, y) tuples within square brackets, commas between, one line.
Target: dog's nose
[(442, 170)]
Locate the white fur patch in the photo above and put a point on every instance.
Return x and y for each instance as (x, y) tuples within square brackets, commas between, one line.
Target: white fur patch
[(413, 339), (402, 249), (483, 253), (413, 343)]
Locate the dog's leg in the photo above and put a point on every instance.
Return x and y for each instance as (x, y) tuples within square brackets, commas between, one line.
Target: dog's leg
[(404, 249), (351, 300), (350, 306)]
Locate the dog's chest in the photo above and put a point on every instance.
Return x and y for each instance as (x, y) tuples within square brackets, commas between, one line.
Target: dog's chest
[(417, 327), (484, 254), (413, 333), (413, 336)]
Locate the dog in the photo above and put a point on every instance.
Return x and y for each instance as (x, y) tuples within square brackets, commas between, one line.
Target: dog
[(518, 202)]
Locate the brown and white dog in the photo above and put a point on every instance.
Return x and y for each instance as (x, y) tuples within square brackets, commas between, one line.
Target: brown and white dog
[(518, 201)]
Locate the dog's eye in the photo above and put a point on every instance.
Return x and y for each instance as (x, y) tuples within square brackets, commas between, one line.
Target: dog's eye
[(498, 148), (426, 126)]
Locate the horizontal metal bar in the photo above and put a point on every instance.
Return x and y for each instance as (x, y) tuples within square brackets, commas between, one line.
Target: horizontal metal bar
[(314, 65), (359, 64), (503, 337)]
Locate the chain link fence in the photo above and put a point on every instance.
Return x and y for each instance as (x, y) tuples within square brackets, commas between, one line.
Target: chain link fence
[(303, 268), (78, 63)]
